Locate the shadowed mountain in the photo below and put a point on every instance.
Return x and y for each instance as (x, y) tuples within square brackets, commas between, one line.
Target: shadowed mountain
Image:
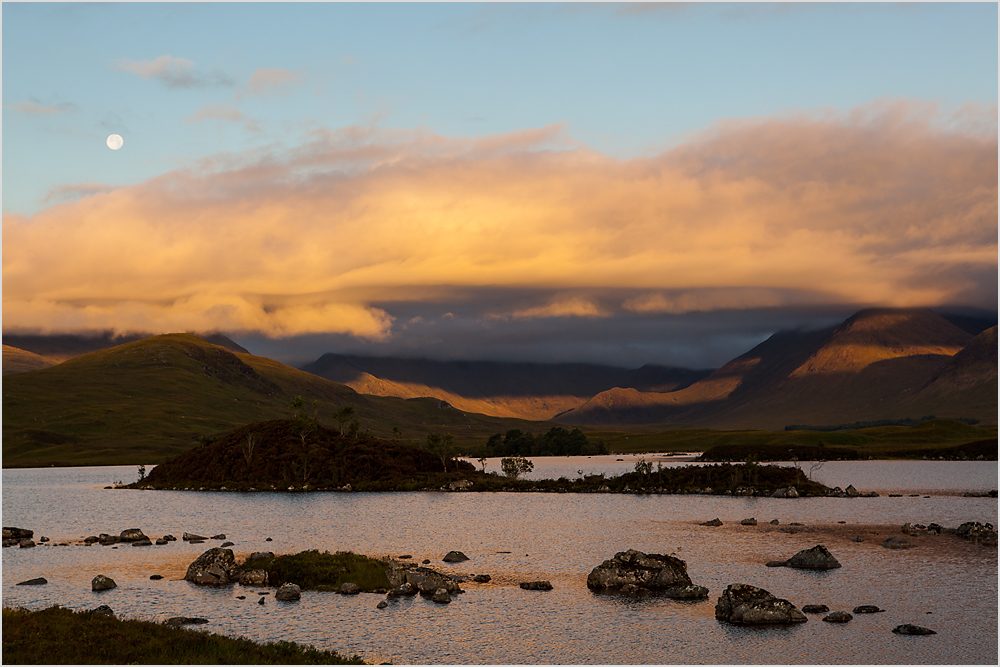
[(525, 390), (873, 366), (60, 347), (16, 360), (148, 399)]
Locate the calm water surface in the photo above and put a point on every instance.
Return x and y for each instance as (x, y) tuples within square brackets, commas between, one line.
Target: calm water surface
[(945, 584)]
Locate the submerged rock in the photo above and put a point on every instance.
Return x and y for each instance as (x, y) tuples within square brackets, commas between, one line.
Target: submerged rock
[(654, 571), (838, 617), (536, 585), (744, 604), (178, 621), (909, 629), (815, 609), (867, 609), (217, 566), (897, 543), (38, 581), (481, 578)]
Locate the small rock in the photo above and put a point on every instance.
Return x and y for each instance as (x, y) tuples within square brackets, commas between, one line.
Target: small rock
[(220, 536), (382, 605), (402, 590), (857, 538), (426, 561), (169, 538), (455, 557), (773, 522), (816, 558), (481, 578), (102, 583), (350, 588), (713, 522), (43, 539), (253, 578), (38, 581), (156, 577), (536, 586), (191, 537), (241, 597), (776, 563), (103, 610), (142, 543), (908, 629), (132, 535), (160, 542), (227, 544), (867, 609), (748, 522), (288, 592), (260, 600), (815, 609), (260, 555), (90, 538), (630, 589), (748, 605), (838, 617), (268, 540), (404, 556), (26, 543)]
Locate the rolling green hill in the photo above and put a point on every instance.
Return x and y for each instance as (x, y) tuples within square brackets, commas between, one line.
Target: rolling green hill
[(146, 400)]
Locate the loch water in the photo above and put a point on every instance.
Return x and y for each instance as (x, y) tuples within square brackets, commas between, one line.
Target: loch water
[(944, 583)]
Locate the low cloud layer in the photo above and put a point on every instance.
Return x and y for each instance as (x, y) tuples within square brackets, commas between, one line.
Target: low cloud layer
[(891, 204)]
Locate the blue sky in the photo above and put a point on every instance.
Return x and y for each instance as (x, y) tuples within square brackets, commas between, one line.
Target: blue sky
[(351, 126), (624, 79)]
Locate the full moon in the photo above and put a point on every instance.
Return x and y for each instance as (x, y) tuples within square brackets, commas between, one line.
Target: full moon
[(115, 142)]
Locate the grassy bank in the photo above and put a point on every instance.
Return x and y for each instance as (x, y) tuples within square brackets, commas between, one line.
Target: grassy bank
[(940, 437), (323, 571), (63, 637)]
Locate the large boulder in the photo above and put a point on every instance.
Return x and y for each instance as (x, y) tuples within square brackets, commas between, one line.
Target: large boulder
[(133, 535), (102, 583), (744, 604), (215, 567), (654, 571), (817, 558), (455, 557), (288, 592)]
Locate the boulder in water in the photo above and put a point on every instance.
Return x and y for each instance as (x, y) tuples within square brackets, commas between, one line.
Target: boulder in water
[(102, 583), (216, 566), (816, 558), (744, 604), (654, 571), (288, 592)]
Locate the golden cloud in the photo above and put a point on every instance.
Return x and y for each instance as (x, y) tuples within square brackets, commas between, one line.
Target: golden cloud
[(860, 207)]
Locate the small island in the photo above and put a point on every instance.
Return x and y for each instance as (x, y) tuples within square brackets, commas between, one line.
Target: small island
[(302, 455)]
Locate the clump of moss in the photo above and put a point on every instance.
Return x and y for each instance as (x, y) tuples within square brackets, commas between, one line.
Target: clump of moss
[(323, 571), (64, 637)]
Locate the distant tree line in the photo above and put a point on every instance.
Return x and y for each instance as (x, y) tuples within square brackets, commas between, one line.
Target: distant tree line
[(557, 442), (853, 426)]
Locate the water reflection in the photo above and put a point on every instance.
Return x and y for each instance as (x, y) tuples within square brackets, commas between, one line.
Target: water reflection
[(521, 537)]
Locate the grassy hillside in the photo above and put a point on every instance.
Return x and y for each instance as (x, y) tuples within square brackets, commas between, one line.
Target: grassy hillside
[(16, 360), (879, 364), (152, 398)]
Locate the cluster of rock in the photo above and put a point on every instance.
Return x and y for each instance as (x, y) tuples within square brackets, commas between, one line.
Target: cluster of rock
[(850, 492), (978, 533), (634, 571), (21, 537)]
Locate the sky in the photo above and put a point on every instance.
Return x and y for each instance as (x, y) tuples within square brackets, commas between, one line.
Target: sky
[(600, 182)]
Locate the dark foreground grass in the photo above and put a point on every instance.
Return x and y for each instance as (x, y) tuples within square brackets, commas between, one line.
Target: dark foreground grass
[(323, 571), (63, 637)]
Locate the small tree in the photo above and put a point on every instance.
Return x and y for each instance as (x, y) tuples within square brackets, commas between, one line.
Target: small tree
[(396, 433), (440, 445), (515, 466), (249, 446), (482, 462), (344, 416), (142, 472)]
